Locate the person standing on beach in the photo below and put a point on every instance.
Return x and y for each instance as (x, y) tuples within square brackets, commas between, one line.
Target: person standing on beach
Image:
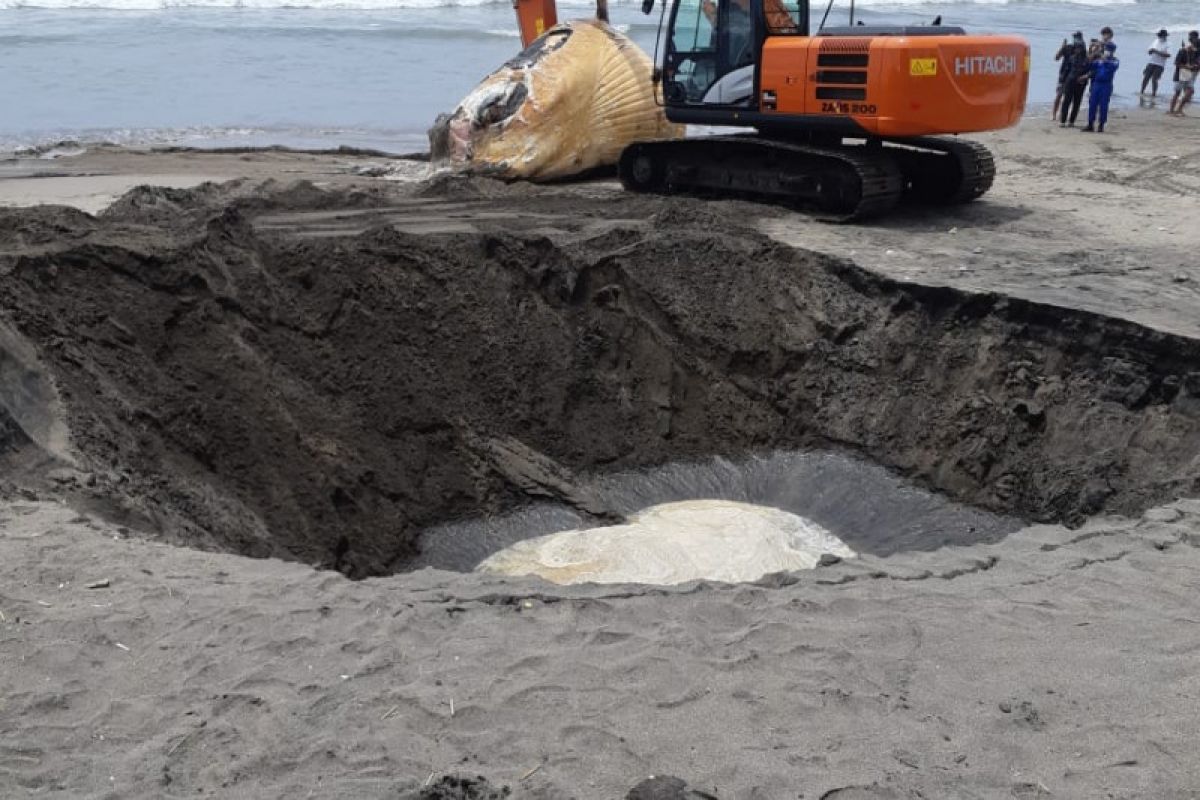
[(1187, 64), (1062, 55), (1075, 81), (1160, 52), (1102, 72)]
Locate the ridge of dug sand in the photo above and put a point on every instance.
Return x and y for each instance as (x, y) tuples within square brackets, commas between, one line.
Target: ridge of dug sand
[(284, 371)]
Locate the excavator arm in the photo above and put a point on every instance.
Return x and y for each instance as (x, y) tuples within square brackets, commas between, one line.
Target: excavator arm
[(535, 17)]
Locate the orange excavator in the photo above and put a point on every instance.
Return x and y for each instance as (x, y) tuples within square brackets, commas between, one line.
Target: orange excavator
[(849, 118)]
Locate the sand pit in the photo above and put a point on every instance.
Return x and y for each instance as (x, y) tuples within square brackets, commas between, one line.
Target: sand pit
[(395, 381), (821, 497), (235, 382)]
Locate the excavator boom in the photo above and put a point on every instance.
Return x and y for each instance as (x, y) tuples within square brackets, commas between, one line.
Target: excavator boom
[(535, 17)]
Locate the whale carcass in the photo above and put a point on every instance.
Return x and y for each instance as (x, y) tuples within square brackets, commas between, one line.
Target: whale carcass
[(567, 104)]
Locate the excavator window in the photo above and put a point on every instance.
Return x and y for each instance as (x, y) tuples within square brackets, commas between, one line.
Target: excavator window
[(711, 53), (694, 26), (783, 17)]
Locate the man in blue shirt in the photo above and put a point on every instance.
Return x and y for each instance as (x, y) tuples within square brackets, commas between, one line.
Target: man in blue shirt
[(1101, 71)]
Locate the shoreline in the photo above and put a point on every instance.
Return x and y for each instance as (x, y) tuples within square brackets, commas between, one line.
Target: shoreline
[(374, 142)]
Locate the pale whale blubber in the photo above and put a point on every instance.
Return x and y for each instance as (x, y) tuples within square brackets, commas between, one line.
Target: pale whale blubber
[(567, 104), (719, 540)]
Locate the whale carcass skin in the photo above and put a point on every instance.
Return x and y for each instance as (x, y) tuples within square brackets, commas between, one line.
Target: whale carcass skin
[(567, 104)]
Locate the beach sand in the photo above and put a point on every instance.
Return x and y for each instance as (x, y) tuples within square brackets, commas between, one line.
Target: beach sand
[(1057, 662), (1103, 222)]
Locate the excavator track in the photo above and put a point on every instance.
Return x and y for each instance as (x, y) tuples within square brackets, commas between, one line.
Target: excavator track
[(844, 183), (941, 171)]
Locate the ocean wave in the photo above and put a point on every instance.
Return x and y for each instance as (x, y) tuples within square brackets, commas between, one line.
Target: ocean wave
[(909, 4), (1177, 30), (307, 5), (385, 5), (39, 144), (372, 32), (513, 33)]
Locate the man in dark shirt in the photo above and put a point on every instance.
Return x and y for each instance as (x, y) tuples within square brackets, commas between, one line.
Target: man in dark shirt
[(1075, 83), (1063, 55), (737, 30), (1187, 64)]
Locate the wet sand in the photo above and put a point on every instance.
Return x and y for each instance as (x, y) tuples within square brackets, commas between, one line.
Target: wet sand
[(1058, 662)]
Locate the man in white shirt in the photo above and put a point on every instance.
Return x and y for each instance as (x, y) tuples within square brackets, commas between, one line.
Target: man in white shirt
[(1160, 53)]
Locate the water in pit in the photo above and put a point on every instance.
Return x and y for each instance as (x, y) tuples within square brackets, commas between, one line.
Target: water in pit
[(720, 519)]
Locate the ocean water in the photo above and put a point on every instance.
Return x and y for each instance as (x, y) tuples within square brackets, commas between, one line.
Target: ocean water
[(375, 73)]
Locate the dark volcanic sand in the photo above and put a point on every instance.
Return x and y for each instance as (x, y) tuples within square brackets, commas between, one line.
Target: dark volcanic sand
[(285, 371)]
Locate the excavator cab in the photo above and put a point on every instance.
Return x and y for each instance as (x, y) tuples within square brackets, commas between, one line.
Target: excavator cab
[(754, 63)]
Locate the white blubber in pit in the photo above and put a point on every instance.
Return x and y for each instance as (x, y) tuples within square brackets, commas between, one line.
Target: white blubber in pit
[(717, 540)]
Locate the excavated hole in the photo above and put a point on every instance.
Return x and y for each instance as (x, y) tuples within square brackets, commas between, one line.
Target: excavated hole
[(329, 398), (861, 504)]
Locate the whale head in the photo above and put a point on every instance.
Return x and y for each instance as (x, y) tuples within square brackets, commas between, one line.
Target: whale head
[(567, 104)]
